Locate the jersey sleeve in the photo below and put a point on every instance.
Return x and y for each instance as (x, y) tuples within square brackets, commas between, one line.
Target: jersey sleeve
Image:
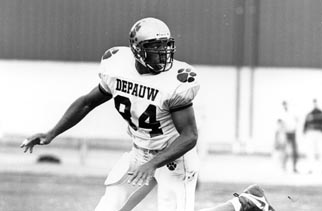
[(106, 81), (185, 92)]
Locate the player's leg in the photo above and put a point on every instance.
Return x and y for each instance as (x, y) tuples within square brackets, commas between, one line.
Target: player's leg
[(137, 196), (166, 195), (113, 199), (177, 183), (117, 190), (119, 194), (185, 192)]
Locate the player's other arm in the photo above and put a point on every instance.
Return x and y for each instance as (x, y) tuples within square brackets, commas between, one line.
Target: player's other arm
[(184, 121), (74, 114)]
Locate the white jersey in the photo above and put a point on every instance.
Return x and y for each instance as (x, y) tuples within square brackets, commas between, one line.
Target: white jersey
[(146, 101)]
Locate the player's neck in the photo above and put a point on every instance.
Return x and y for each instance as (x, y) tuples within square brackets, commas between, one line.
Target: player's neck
[(140, 68)]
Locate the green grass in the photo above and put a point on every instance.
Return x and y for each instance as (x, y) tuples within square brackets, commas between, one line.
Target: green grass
[(30, 192)]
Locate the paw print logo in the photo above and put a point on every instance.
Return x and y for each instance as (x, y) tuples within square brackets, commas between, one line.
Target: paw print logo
[(110, 53), (186, 75), (172, 166), (133, 33)]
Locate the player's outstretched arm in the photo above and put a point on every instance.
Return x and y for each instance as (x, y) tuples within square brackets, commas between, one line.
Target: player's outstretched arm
[(74, 114)]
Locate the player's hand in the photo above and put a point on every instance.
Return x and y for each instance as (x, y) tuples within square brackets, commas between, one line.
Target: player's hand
[(37, 139), (142, 175)]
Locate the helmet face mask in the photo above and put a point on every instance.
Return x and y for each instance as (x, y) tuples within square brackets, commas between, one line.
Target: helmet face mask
[(152, 45), (158, 54)]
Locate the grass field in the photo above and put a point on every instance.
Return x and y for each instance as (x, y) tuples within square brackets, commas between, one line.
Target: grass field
[(36, 192)]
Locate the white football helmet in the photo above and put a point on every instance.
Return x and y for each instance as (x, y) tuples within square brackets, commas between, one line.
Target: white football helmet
[(151, 37)]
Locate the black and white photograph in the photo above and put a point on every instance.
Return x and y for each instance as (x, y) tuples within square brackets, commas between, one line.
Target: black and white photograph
[(160, 105)]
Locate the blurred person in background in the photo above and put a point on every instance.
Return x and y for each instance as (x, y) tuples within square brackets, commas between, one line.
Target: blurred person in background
[(290, 121), (154, 94), (313, 137), (281, 148)]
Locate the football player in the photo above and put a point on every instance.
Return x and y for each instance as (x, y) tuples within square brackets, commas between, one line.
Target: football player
[(153, 92), (252, 199)]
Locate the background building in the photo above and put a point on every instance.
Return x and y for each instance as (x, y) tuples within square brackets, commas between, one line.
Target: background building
[(251, 55)]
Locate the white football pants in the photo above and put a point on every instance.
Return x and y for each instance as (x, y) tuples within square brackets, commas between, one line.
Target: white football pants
[(176, 182)]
